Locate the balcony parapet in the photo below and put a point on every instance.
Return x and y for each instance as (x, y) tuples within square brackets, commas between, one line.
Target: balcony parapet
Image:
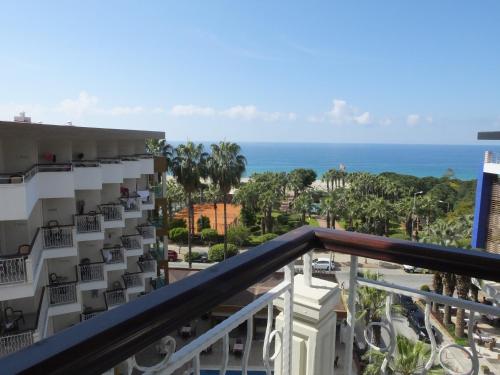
[(115, 297), (133, 244), (131, 330), (91, 314)]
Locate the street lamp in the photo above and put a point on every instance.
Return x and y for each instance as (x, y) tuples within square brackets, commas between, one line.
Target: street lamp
[(413, 210)]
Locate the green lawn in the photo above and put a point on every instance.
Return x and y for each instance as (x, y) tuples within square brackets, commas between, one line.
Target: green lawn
[(312, 221)]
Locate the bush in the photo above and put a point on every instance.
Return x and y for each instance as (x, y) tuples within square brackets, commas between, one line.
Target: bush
[(209, 235), (425, 288), (238, 235), (194, 256), (216, 252), (283, 219), (257, 240), (178, 235), (203, 223), (178, 223)]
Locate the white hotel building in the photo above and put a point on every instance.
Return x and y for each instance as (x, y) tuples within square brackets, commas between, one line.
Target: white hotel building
[(74, 231)]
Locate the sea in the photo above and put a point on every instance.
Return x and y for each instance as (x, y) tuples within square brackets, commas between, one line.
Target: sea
[(418, 160)]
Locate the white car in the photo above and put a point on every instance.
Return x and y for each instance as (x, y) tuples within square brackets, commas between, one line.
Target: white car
[(411, 269), (323, 264)]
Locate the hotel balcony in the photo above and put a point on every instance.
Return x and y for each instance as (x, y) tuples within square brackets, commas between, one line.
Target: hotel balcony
[(147, 163), (132, 167), (148, 267), (114, 258), (134, 282), (304, 330), (115, 298), (88, 175), (91, 314), (89, 227), (131, 206), (91, 275), (112, 171), (20, 272), (64, 298), (113, 214), (133, 244), (148, 233), (147, 200), (19, 192)]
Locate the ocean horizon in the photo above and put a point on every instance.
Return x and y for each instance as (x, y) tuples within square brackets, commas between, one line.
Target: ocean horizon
[(418, 160)]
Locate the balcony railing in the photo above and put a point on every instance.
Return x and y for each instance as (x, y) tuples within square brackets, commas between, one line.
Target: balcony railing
[(91, 272), (117, 335), (13, 343), (88, 223), (62, 293), (57, 236), (110, 161), (133, 280), (111, 212), (86, 163), (147, 265), (147, 231), (131, 203), (91, 314), (132, 242), (22, 177), (112, 255), (115, 297), (13, 270)]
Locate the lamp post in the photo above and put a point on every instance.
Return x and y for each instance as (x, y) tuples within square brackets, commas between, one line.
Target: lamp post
[(413, 211)]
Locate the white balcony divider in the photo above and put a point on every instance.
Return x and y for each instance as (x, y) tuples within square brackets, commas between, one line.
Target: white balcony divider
[(113, 255), (14, 342), (60, 294), (91, 272), (111, 212), (188, 357), (132, 242), (88, 223), (57, 237), (13, 270), (146, 230), (115, 297), (147, 265), (133, 280)]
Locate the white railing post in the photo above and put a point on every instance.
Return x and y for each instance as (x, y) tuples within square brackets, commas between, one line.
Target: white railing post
[(307, 268), (351, 314), (288, 321)]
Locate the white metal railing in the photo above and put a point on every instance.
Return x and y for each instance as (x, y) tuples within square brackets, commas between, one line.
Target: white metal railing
[(13, 270), (57, 236), (14, 342), (133, 280), (146, 230), (86, 163), (60, 294), (132, 242), (91, 272), (147, 265), (113, 255), (115, 297), (110, 161), (131, 204), (88, 223), (188, 357), (111, 212), (89, 315)]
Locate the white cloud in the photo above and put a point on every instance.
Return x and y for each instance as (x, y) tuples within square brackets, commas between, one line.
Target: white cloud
[(77, 107), (386, 121), (343, 113), (238, 112), (413, 119)]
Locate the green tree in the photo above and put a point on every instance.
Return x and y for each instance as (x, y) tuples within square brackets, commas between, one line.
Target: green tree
[(179, 236), (203, 222), (209, 236), (226, 166), (238, 235), (218, 253), (302, 204), (188, 167), (300, 179), (214, 195)]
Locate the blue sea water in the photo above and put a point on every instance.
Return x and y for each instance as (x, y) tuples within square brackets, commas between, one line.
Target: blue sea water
[(418, 160)]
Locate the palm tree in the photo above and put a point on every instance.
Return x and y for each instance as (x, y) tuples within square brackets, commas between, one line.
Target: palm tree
[(437, 286), (449, 283), (409, 358), (188, 167), (302, 204), (463, 287), (214, 195), (226, 166)]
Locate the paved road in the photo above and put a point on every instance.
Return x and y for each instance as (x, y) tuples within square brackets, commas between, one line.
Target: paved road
[(395, 276)]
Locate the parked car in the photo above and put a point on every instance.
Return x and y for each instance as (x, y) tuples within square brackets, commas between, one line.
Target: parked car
[(417, 322), (172, 256), (323, 264), (411, 269)]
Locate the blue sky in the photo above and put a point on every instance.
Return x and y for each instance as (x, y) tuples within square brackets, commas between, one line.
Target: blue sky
[(277, 71)]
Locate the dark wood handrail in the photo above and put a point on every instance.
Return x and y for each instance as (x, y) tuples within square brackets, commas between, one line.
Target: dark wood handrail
[(98, 344)]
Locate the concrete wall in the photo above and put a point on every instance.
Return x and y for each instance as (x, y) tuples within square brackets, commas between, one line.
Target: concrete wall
[(107, 149), (92, 199), (59, 209), (18, 155), (87, 148), (110, 193), (60, 148)]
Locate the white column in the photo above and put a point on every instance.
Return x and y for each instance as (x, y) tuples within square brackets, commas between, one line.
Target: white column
[(314, 321), (351, 313)]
